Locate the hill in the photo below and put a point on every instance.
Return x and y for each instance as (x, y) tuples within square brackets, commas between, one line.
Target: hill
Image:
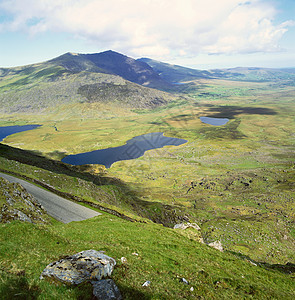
[(175, 262), (176, 74)]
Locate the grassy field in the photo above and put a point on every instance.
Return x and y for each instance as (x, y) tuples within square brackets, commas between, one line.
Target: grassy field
[(164, 257), (236, 181)]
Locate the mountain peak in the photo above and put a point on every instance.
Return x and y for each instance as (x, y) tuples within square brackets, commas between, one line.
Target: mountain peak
[(126, 67)]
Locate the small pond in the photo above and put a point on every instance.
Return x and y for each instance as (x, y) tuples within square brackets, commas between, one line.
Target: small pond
[(8, 130), (214, 121), (134, 148)]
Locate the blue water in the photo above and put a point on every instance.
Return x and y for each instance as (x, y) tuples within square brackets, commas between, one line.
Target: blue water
[(214, 121), (8, 130), (134, 148)]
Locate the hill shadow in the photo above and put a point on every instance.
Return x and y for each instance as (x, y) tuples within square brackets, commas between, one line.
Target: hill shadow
[(155, 211), (233, 110), (288, 268)]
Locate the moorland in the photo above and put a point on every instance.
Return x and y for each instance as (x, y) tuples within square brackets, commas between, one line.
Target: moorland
[(236, 181)]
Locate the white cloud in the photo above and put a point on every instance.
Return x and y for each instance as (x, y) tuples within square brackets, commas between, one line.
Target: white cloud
[(155, 27)]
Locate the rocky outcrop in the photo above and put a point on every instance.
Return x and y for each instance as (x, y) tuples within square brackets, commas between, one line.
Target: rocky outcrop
[(88, 265), (216, 245), (184, 226), (17, 204)]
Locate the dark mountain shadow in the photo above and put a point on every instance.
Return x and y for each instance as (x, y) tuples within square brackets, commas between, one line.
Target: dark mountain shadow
[(155, 211), (229, 131), (231, 111)]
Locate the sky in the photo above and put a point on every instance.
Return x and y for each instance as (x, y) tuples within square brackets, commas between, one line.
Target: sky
[(201, 34)]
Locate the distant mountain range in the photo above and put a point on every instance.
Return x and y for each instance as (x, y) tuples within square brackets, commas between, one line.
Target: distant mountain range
[(176, 74), (109, 77)]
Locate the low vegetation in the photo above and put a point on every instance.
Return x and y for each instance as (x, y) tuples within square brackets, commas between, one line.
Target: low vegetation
[(235, 181)]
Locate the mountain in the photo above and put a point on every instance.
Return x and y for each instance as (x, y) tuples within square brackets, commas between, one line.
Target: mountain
[(176, 74), (112, 62), (107, 77)]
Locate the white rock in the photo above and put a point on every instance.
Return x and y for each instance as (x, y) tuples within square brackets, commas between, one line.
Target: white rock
[(124, 260), (184, 226), (216, 245)]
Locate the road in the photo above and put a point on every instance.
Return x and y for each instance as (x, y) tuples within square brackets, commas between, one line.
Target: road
[(57, 207)]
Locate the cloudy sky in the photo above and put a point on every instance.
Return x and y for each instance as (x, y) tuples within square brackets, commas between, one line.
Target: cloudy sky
[(202, 34)]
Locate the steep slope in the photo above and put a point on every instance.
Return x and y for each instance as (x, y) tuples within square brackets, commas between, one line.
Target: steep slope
[(174, 73), (127, 67), (112, 62)]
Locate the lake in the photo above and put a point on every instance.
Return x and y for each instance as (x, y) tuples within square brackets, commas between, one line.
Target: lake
[(134, 148), (8, 130), (214, 121)]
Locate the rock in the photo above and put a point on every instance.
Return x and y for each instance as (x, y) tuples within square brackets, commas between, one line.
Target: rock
[(19, 204), (124, 260), (184, 226), (217, 245), (183, 280), (80, 267), (106, 289), (147, 283), (18, 215), (191, 289)]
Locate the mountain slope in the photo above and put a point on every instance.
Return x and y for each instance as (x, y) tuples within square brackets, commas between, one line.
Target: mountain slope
[(114, 63), (70, 79), (175, 74)]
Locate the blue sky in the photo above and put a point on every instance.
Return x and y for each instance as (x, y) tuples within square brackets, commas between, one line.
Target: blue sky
[(202, 34)]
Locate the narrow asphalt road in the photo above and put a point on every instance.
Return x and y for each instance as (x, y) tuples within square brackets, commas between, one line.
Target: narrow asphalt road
[(57, 207)]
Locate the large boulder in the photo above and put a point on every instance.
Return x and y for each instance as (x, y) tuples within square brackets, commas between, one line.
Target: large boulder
[(87, 265)]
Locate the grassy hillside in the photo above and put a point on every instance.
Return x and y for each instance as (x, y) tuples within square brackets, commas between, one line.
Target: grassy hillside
[(164, 257), (236, 181), (230, 179)]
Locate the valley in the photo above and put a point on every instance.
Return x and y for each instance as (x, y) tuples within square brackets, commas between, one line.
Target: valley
[(235, 180)]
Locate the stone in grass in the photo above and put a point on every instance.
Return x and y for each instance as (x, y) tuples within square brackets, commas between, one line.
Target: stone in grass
[(184, 226), (106, 289), (83, 266), (216, 245)]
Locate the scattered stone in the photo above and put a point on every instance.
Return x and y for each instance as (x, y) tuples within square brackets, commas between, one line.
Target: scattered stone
[(183, 280), (147, 283), (80, 267), (184, 226), (191, 289), (18, 204), (251, 262), (106, 289), (216, 245), (134, 253), (124, 260)]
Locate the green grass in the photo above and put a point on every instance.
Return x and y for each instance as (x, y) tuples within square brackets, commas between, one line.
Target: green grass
[(164, 257), (235, 181)]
